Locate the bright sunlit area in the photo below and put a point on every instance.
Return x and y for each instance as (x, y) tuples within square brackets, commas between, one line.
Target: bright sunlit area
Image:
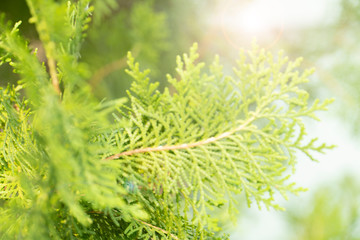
[(267, 21)]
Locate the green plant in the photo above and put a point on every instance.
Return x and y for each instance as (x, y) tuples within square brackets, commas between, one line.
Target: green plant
[(156, 167)]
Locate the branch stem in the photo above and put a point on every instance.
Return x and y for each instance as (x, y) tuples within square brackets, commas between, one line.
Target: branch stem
[(182, 146), (45, 37), (104, 71), (53, 74), (157, 228)]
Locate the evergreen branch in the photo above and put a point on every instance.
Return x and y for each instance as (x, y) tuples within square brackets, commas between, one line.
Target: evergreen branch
[(215, 163), (183, 146)]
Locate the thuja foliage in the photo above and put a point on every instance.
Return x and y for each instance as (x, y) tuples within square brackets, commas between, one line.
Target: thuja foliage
[(155, 167)]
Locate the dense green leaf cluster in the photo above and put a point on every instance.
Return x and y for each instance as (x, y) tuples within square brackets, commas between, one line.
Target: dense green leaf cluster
[(164, 162)]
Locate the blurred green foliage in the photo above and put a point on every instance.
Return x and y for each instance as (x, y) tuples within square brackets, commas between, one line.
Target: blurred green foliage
[(154, 30), (333, 212), (137, 28), (334, 49), (15, 10)]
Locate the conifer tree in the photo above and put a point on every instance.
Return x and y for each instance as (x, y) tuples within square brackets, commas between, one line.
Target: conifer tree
[(156, 165)]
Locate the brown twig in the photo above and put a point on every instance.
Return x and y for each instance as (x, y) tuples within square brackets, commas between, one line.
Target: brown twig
[(53, 75), (100, 74), (157, 228), (181, 146), (147, 224), (49, 46)]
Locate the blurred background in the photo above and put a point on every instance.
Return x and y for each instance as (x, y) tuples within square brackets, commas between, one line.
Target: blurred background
[(325, 32)]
